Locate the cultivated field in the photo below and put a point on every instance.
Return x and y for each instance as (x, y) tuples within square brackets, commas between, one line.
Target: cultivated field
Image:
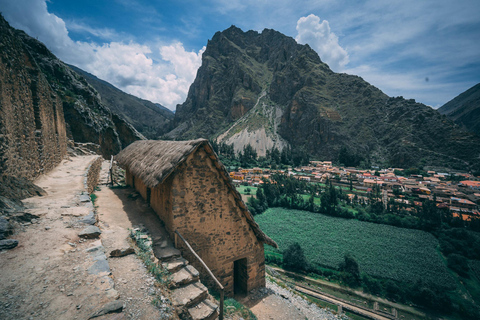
[(380, 250)]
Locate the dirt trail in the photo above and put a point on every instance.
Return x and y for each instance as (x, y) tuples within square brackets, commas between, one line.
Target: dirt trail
[(45, 277), (117, 214), (51, 275)]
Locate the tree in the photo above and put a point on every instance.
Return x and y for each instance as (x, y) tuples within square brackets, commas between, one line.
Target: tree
[(350, 266), (294, 258)]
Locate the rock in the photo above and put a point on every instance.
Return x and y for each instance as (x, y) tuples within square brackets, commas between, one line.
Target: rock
[(89, 219), (23, 216), (111, 307), (8, 244), (90, 232), (122, 252), (100, 266), (84, 198), (75, 212), (5, 228)]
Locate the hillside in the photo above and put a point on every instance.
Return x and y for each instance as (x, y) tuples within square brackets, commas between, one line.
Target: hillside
[(87, 119), (150, 119), (269, 87), (465, 109)]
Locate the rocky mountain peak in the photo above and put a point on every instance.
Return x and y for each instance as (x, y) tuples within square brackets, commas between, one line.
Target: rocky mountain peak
[(267, 90)]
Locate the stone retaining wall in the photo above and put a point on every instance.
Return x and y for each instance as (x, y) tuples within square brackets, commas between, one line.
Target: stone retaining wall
[(93, 174)]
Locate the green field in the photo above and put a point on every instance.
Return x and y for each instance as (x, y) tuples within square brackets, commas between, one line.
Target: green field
[(244, 189), (380, 250)]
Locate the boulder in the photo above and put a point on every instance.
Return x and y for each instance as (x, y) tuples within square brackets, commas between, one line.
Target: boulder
[(114, 306), (122, 252), (5, 228), (90, 232), (8, 244)]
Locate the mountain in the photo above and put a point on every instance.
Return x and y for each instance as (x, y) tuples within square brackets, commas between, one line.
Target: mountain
[(465, 109), (266, 90), (87, 119), (32, 127), (150, 119)]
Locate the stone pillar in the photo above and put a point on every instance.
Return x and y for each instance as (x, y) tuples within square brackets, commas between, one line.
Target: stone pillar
[(395, 313)]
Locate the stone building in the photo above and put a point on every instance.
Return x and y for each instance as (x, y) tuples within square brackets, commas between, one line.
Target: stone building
[(190, 190), (32, 127)]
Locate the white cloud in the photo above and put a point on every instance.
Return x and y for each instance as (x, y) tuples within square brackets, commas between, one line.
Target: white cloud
[(185, 63), (103, 33), (319, 36), (131, 67)]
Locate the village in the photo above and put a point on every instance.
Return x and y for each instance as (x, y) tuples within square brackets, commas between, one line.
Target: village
[(459, 192)]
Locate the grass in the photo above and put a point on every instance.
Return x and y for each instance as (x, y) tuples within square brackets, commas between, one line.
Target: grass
[(232, 307), (93, 197), (244, 190), (380, 250), (145, 253)]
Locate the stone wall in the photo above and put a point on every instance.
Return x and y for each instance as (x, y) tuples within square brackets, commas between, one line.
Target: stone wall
[(205, 213), (93, 174), (196, 200), (32, 125)]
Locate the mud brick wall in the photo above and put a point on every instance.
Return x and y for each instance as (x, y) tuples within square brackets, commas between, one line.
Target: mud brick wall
[(93, 174), (32, 126), (205, 213)]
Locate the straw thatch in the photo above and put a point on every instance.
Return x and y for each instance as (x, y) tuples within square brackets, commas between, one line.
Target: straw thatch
[(154, 160)]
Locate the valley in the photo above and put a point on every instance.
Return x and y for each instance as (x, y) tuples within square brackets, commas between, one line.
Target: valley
[(304, 193)]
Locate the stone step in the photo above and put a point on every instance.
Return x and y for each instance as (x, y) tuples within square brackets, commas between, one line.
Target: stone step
[(205, 310), (185, 275), (175, 264), (166, 254), (189, 295)]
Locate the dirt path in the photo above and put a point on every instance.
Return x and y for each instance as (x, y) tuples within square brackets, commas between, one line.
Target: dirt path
[(350, 307), (45, 277), (118, 213), (54, 274)]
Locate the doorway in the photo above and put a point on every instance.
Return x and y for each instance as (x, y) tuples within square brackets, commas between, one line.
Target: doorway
[(149, 194), (240, 276)]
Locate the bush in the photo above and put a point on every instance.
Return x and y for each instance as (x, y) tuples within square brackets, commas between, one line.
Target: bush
[(351, 271), (294, 258)]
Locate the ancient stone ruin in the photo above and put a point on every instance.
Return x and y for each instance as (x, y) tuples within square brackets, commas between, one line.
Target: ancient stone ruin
[(32, 126), (189, 189)]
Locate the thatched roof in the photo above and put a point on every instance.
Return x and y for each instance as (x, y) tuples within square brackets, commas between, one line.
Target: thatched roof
[(154, 160)]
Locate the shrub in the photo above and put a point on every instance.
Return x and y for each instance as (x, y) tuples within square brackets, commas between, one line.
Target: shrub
[(294, 258)]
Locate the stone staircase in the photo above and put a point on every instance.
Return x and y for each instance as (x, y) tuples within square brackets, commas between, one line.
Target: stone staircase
[(190, 296)]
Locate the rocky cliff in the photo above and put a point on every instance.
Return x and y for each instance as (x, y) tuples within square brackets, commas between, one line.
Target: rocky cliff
[(86, 117), (32, 126), (465, 109), (253, 86), (151, 120)]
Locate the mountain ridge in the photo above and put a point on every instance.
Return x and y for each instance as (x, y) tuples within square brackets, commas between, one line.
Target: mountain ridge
[(150, 119), (322, 111), (464, 109)]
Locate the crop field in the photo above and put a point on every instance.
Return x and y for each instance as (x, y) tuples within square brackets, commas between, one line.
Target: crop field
[(380, 250)]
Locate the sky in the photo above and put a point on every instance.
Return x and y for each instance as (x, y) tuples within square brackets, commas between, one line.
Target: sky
[(425, 50)]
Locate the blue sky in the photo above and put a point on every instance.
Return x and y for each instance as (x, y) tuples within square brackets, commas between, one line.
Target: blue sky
[(425, 50)]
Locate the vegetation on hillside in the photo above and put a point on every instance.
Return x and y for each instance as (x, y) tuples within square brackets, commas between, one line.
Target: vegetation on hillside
[(248, 157)]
